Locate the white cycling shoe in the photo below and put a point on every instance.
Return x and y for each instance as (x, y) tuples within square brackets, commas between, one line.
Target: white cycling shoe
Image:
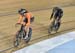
[(26, 37)]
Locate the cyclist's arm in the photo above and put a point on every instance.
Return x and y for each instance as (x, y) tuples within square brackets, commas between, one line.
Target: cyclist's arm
[(52, 14), (20, 19)]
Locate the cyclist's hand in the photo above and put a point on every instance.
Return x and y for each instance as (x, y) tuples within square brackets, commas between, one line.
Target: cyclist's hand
[(17, 24), (23, 23)]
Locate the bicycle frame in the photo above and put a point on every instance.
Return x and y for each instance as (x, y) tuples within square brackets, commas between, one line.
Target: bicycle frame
[(21, 34), (22, 31)]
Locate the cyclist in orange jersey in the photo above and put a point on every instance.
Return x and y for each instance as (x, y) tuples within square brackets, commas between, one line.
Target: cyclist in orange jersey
[(26, 19)]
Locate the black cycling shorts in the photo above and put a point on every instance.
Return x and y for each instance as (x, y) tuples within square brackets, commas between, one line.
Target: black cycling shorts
[(57, 16), (26, 20)]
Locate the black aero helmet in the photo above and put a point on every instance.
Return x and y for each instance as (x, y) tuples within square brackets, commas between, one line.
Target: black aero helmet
[(56, 8), (22, 11)]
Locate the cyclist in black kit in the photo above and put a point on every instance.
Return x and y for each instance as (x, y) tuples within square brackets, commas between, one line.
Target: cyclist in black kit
[(57, 14)]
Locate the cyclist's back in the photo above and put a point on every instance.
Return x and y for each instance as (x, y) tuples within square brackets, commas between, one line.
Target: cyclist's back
[(57, 13), (28, 16)]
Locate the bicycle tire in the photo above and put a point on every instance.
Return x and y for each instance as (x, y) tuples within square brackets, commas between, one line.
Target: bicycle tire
[(29, 35), (16, 42), (18, 37)]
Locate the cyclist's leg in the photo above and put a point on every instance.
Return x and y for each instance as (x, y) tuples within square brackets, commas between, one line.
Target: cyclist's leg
[(26, 28), (55, 22), (27, 31), (59, 20)]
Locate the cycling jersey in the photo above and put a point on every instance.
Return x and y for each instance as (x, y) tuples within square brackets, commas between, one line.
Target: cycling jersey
[(27, 18), (58, 13)]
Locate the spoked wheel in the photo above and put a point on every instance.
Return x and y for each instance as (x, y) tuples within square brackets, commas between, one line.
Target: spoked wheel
[(29, 35)]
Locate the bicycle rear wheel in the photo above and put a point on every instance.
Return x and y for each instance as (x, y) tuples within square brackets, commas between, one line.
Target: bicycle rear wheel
[(29, 35)]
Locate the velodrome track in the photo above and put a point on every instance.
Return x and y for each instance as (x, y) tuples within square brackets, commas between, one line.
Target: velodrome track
[(8, 20)]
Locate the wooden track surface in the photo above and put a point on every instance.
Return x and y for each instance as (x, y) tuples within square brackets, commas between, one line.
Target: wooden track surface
[(40, 25)]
